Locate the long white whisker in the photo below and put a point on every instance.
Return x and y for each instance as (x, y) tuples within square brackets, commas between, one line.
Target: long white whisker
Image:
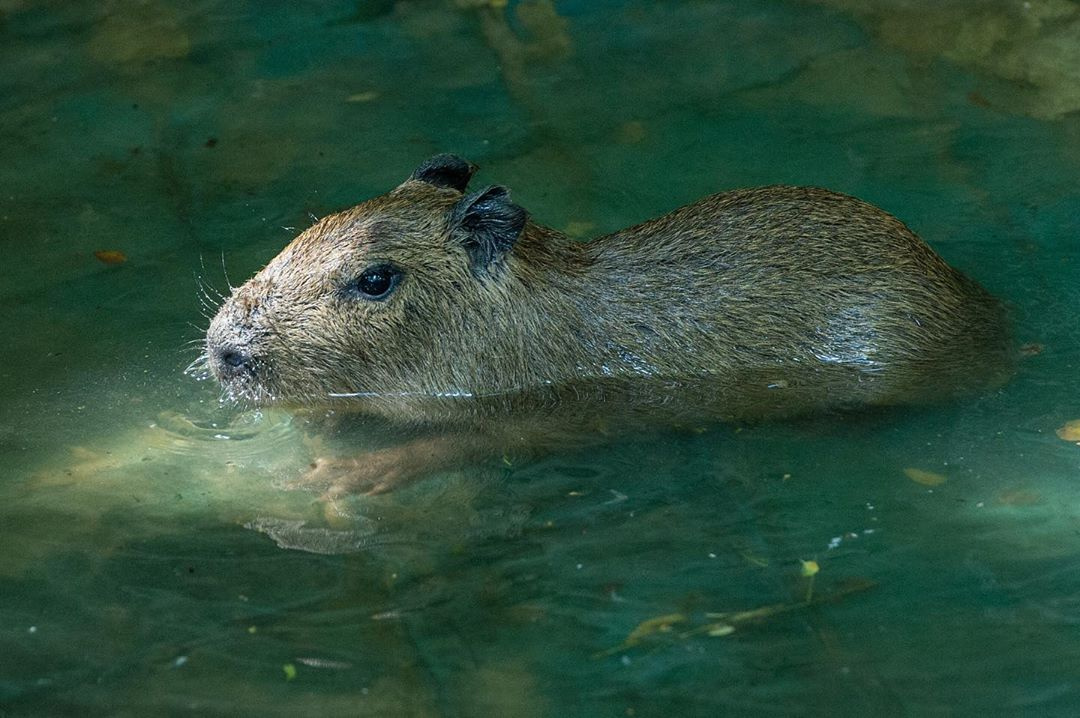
[(225, 271)]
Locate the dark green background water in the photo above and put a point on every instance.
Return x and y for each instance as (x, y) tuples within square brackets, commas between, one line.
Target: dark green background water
[(192, 135)]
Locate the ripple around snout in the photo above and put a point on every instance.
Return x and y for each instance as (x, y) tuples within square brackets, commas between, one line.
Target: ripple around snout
[(230, 433)]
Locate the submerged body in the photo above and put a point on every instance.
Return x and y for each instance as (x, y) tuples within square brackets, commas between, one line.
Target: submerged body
[(426, 305)]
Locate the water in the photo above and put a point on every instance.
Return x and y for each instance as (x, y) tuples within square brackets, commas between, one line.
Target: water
[(154, 560)]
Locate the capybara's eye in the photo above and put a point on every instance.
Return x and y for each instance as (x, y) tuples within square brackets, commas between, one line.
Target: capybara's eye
[(376, 282)]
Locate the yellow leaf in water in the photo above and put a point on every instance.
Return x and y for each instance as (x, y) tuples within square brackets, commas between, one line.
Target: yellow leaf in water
[(1070, 431), (809, 568), (290, 671), (926, 478), (110, 256), (660, 624)]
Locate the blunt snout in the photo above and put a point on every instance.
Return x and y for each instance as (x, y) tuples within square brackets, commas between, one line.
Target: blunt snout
[(229, 340), (229, 362)]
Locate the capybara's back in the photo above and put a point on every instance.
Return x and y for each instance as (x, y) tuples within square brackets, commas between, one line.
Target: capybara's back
[(790, 299)]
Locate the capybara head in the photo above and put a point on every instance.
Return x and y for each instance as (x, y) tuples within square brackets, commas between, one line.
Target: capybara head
[(357, 305)]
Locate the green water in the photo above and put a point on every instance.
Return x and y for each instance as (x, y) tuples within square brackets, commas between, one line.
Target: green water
[(152, 560)]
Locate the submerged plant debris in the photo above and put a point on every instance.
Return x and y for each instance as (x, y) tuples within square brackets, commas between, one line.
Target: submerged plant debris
[(924, 477), (725, 623), (1070, 431)]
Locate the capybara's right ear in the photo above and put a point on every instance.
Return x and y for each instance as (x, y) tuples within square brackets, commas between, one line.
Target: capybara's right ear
[(487, 224), (445, 170)]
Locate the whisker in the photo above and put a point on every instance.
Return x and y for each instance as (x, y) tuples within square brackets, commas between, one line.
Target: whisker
[(207, 299), (206, 287), (210, 290), (200, 368), (210, 299), (225, 271), (204, 292)]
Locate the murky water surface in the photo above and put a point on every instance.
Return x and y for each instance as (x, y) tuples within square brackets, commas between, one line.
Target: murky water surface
[(154, 559)]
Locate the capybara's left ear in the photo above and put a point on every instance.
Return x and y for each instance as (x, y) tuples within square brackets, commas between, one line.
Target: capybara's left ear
[(445, 170), (487, 224)]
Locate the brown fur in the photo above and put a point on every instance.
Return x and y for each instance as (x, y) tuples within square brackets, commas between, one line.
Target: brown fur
[(755, 303)]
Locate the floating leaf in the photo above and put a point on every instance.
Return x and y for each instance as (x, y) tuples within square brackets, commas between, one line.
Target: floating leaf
[(1019, 497), (290, 671), (1070, 431), (660, 624), (926, 478), (367, 96), (110, 256), (727, 622)]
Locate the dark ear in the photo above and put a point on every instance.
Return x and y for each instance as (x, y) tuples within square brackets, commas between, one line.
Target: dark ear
[(445, 171), (486, 224)]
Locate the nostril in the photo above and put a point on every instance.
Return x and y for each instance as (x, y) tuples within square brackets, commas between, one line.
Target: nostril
[(233, 358), (232, 362)]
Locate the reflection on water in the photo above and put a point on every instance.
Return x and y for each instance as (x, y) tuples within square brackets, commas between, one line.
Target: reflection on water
[(189, 435), (157, 557), (296, 534)]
